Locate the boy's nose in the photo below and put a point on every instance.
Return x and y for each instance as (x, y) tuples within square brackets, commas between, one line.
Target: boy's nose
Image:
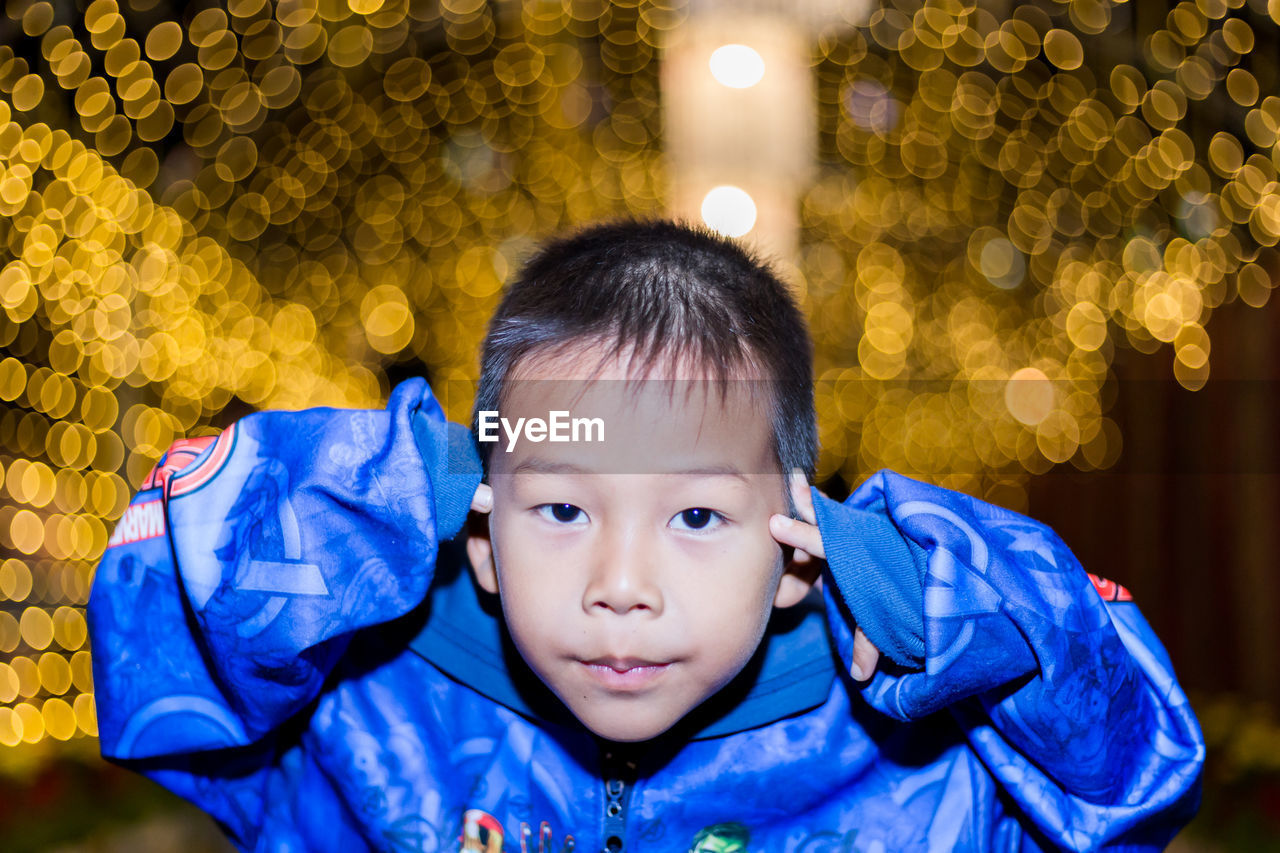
[(623, 581)]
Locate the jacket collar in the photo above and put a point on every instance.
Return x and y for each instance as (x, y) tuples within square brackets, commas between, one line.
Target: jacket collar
[(465, 637)]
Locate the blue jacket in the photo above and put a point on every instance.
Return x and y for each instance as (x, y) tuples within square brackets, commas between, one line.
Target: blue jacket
[(283, 633)]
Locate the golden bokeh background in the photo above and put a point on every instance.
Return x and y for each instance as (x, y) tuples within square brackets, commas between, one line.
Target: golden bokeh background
[(212, 207), (265, 203)]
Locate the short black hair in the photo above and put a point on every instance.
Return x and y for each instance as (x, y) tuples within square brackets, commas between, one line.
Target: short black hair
[(668, 291)]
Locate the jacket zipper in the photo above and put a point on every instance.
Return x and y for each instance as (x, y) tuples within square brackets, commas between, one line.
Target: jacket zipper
[(619, 779)]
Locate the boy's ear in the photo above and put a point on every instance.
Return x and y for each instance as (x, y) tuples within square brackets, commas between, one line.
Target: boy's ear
[(480, 552), (800, 571)]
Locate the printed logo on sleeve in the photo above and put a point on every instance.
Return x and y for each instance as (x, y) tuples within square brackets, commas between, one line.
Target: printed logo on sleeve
[(181, 454), (1109, 589), (139, 522)]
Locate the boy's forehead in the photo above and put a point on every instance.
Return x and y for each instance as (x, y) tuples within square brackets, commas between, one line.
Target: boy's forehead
[(636, 426), (710, 400), (618, 412)]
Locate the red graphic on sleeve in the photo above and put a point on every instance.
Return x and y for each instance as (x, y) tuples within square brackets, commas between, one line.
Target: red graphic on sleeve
[(181, 454), (194, 476), (1110, 590)]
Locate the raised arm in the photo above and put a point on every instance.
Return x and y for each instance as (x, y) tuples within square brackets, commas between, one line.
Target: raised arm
[(1068, 699), (238, 573)]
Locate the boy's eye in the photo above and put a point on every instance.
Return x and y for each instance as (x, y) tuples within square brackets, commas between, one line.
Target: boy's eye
[(561, 513), (697, 518)]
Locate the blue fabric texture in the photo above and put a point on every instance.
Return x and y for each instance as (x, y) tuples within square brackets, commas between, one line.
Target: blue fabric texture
[(283, 634), (879, 574), (453, 468)]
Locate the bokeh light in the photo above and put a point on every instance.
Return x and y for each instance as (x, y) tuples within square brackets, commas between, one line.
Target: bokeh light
[(1000, 209), (729, 210), (737, 66)]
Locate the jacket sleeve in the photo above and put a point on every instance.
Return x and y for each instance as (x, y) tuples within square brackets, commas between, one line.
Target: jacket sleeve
[(236, 576), (1058, 683)]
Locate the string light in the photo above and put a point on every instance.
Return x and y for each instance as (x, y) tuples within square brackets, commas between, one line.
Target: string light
[(998, 214)]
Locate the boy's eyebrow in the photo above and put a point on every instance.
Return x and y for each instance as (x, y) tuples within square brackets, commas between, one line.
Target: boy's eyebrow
[(537, 465)]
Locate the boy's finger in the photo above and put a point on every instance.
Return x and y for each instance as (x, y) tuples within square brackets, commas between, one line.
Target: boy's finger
[(482, 500), (800, 494), (797, 534), (865, 657)]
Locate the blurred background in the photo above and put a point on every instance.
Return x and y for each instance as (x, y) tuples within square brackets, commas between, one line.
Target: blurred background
[(1035, 242)]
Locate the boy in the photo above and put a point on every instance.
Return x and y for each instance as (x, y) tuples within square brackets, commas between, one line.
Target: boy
[(633, 657)]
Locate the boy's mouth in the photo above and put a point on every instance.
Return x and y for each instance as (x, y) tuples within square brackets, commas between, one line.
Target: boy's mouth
[(618, 673)]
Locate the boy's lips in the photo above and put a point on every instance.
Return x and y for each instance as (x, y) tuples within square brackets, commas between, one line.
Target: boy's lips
[(624, 673), (623, 664)]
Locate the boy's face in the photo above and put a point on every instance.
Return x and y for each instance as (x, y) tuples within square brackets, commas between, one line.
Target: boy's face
[(636, 574)]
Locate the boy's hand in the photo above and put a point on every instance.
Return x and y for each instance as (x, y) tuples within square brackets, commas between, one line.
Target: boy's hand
[(803, 535)]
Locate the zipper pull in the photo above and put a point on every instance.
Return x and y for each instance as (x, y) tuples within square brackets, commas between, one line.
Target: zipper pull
[(617, 791)]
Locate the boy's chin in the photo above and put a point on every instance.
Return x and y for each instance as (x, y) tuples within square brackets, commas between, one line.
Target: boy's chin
[(629, 734), (628, 726)]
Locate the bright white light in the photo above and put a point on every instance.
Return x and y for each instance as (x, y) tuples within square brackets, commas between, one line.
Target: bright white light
[(737, 66), (729, 210)]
